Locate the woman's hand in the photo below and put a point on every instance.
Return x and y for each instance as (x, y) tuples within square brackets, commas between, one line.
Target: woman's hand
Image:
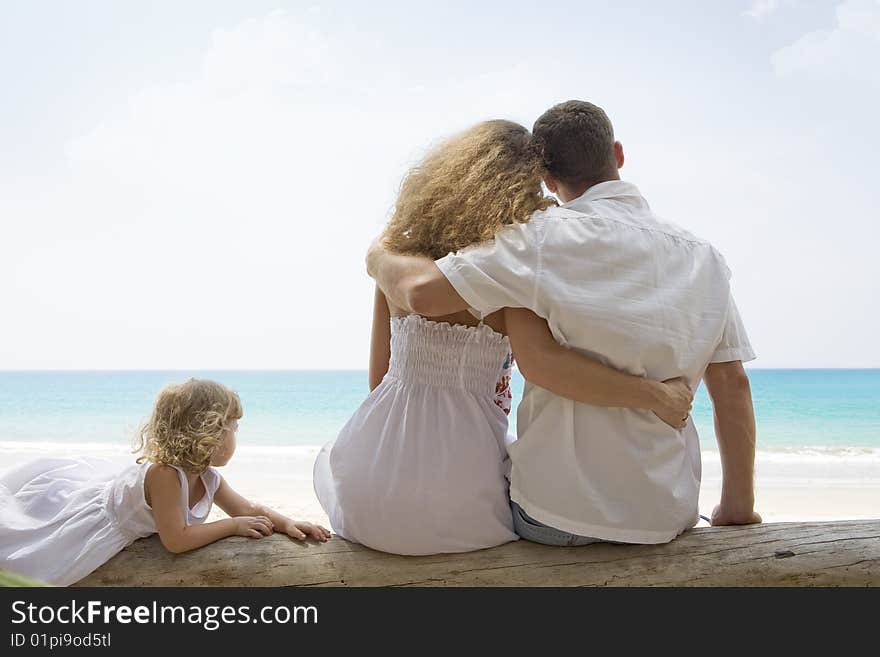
[(674, 402), (302, 530), (253, 526)]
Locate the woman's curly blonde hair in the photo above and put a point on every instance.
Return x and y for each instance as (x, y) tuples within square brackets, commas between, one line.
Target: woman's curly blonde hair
[(187, 424), (467, 189)]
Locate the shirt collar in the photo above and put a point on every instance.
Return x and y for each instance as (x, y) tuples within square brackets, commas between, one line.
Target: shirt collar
[(607, 189)]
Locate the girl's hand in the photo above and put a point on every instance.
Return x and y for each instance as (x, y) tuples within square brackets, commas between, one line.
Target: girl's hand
[(253, 526), (674, 404), (303, 530)]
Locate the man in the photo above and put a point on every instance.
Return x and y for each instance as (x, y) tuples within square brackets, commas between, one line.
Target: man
[(617, 284)]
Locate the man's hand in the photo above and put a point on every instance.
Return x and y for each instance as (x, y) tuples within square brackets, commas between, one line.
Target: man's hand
[(722, 516), (674, 402)]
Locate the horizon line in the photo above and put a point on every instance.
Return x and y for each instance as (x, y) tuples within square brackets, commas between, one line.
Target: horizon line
[(340, 369)]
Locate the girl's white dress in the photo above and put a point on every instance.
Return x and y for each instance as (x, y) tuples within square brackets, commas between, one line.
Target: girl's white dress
[(420, 468), (60, 519)]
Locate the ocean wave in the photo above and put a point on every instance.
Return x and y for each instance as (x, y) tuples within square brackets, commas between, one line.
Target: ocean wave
[(806, 454), (76, 449), (812, 454)]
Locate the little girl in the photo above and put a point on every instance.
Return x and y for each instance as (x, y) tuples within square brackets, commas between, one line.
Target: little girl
[(60, 519)]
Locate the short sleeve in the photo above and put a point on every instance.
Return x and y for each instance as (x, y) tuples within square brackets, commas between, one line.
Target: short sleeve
[(211, 479), (734, 343), (498, 274)]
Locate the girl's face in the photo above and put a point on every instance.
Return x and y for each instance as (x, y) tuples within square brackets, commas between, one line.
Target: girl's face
[(227, 449)]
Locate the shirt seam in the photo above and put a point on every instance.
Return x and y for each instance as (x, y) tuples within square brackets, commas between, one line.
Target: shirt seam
[(595, 216), (726, 355), (539, 264), (450, 269)]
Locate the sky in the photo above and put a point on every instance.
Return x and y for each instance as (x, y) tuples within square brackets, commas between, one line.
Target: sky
[(193, 185)]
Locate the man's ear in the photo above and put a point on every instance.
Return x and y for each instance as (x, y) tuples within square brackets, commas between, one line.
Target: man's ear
[(551, 183), (618, 154)]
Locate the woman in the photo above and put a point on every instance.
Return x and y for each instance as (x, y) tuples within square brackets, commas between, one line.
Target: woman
[(420, 466)]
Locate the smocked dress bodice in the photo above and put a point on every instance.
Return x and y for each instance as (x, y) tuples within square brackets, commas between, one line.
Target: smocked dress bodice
[(447, 355)]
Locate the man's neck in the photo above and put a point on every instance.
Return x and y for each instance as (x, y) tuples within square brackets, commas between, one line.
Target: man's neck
[(567, 194)]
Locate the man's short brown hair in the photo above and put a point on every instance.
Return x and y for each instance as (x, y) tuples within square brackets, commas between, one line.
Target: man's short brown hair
[(578, 143)]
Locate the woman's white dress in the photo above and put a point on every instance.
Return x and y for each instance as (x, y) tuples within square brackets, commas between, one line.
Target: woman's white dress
[(61, 518), (420, 468)]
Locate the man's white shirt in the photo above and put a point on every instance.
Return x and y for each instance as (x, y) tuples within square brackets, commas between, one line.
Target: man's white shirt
[(617, 284)]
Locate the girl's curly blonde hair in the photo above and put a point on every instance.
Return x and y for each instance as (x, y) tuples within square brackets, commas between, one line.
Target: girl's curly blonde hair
[(467, 189), (187, 425)]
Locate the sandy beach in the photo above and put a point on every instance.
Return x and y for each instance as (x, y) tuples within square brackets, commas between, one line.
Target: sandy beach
[(790, 486)]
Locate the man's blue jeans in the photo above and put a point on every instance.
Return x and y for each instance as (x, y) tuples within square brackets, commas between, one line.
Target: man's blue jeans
[(532, 530)]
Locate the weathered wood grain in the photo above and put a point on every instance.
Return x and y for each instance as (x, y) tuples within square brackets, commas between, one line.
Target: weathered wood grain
[(845, 553)]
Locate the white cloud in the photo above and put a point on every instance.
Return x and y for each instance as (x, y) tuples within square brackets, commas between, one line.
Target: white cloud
[(850, 50), (761, 9), (222, 221), (202, 224), (860, 17), (276, 50)]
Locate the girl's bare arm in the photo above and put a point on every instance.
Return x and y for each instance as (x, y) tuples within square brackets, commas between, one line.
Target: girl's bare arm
[(235, 504), (162, 487)]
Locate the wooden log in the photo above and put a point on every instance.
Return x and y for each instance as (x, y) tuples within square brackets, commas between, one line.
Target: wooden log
[(845, 553)]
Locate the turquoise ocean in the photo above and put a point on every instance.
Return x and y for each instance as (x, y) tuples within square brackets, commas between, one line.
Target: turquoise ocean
[(798, 411)]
